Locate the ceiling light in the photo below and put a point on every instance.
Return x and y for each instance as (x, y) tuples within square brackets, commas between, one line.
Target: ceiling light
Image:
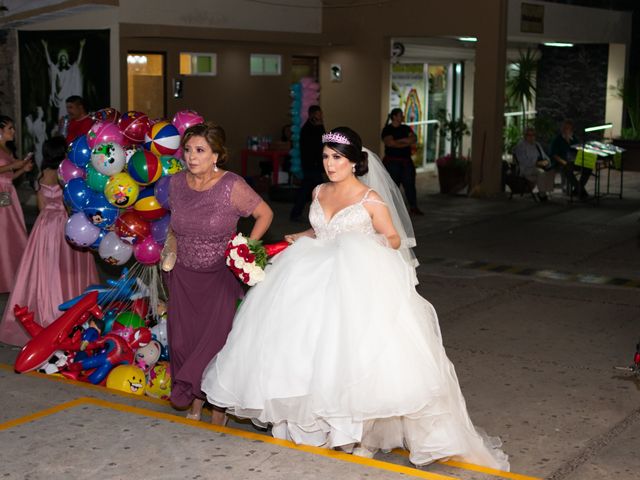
[(557, 44)]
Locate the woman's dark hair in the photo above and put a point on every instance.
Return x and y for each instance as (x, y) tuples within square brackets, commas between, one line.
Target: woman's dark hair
[(53, 152), (213, 134), (353, 152), (392, 114), (4, 121)]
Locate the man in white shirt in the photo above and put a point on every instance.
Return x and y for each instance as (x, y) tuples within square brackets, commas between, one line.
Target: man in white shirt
[(534, 163)]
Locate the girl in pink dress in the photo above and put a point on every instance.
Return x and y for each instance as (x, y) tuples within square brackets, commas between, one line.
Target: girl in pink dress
[(13, 232), (51, 271)]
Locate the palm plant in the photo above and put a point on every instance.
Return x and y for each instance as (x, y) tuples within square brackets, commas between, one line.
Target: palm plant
[(629, 92), (521, 87)]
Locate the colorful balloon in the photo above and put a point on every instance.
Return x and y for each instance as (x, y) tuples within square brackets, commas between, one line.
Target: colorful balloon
[(79, 152), (113, 250), (160, 228), (162, 139), (170, 165), (147, 251), (104, 132), (147, 206), (185, 119), (99, 211), (159, 381), (144, 167), (95, 245), (134, 126), (127, 378), (131, 228), (108, 158), (79, 231), (130, 319), (121, 190), (76, 194), (68, 170), (106, 115), (161, 191), (96, 181)]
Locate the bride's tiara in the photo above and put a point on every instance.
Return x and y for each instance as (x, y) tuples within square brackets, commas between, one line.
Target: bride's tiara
[(332, 137)]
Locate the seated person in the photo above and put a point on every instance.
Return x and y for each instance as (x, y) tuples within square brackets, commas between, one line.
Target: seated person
[(562, 158), (534, 164)]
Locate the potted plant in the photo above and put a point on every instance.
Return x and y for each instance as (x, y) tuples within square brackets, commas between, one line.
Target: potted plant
[(454, 169), (521, 84)]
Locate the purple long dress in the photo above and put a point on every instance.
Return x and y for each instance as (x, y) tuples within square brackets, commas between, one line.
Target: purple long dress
[(202, 290)]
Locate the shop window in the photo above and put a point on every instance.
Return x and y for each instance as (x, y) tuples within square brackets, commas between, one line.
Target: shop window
[(198, 64), (263, 64)]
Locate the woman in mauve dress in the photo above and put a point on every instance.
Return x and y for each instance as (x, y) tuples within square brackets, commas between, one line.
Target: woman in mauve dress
[(51, 270), (13, 232), (206, 203)]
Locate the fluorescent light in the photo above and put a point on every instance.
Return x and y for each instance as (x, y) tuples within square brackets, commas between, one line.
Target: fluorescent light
[(468, 39), (599, 127), (557, 44)]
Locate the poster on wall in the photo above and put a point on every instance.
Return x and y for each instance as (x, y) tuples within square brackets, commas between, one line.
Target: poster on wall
[(408, 87), (55, 65)]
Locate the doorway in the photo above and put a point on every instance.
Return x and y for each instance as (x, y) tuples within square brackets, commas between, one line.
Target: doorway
[(146, 83)]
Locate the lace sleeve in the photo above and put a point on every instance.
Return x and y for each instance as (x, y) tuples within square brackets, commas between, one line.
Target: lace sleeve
[(243, 198)]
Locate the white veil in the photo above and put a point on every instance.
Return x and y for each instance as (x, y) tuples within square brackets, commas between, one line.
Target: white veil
[(379, 179)]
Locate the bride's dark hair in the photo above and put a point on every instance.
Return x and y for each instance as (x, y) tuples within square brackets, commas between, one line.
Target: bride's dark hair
[(353, 151)]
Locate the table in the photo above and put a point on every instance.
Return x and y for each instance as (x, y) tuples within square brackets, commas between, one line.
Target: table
[(598, 156), (276, 157)]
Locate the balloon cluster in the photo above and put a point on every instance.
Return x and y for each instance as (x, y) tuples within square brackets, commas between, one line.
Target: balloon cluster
[(116, 184), (304, 93)]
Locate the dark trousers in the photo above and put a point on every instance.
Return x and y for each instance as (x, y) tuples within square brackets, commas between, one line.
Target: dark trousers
[(577, 186), (310, 180), (403, 172)]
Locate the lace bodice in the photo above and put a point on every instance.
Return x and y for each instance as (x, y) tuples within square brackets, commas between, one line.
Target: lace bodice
[(353, 218)]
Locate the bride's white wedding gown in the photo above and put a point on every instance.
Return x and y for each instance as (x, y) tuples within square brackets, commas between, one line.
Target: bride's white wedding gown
[(336, 348)]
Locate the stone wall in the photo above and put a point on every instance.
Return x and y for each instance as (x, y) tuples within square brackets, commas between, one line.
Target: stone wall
[(9, 76), (572, 83)]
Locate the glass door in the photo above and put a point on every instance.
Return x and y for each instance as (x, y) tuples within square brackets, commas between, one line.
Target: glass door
[(146, 85)]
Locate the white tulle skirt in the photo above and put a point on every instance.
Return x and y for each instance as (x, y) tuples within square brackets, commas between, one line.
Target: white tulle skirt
[(336, 348)]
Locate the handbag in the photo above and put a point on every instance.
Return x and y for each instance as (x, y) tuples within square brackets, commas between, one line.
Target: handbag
[(5, 199)]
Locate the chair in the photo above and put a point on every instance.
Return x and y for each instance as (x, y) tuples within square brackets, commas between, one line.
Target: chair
[(516, 182)]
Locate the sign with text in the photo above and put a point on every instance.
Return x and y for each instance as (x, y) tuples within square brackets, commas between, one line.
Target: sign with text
[(531, 18)]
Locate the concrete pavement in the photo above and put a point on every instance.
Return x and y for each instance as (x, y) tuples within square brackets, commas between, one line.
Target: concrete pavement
[(537, 303)]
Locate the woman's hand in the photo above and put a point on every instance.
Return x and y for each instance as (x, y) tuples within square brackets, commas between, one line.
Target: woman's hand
[(293, 237)]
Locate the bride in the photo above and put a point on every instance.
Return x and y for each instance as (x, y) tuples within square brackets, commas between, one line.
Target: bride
[(335, 347)]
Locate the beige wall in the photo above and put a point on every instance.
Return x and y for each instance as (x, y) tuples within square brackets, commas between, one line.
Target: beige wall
[(615, 74), (242, 104), (361, 100)]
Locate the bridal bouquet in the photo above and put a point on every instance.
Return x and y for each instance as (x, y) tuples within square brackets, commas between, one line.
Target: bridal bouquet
[(247, 258)]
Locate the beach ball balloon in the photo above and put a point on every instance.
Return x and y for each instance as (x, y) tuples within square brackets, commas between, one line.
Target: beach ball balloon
[(131, 228), (113, 250), (67, 171), (108, 158), (95, 180), (76, 194), (121, 190), (104, 132), (147, 251), (144, 167), (106, 115), (100, 211), (147, 206), (79, 230), (170, 165), (185, 119), (134, 126), (127, 378), (79, 152), (162, 139)]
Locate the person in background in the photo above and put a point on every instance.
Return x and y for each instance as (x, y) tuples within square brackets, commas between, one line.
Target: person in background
[(206, 204), (534, 164), (51, 271), (563, 157), (311, 158), (13, 230), (80, 121), (398, 139)]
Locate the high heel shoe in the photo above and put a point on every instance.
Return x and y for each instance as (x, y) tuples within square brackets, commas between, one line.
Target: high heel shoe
[(193, 416)]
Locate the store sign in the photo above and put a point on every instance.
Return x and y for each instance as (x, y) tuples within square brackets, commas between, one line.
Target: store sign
[(531, 18)]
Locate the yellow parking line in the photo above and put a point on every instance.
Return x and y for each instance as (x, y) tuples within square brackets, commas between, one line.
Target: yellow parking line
[(42, 413), (251, 436)]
